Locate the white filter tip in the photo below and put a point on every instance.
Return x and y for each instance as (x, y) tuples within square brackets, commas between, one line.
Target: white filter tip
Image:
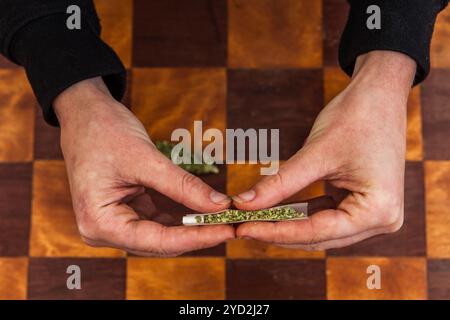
[(189, 220)]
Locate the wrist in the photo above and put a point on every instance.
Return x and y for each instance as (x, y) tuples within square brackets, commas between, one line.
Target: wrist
[(79, 99), (389, 71)]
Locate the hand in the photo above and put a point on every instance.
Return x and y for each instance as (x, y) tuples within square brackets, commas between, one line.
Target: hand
[(110, 159), (357, 143)]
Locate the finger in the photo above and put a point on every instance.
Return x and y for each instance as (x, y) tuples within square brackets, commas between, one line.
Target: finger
[(322, 226), (100, 244), (338, 243), (122, 229), (159, 173), (304, 168)]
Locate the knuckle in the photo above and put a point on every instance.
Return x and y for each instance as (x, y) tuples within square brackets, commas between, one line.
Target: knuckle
[(279, 235), (88, 231), (274, 182), (388, 211), (388, 218), (86, 227), (395, 217), (160, 249), (396, 226), (315, 236), (84, 213), (89, 227), (189, 182)]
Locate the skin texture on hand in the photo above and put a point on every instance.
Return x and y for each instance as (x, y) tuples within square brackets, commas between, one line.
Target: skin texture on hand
[(110, 160), (357, 144)]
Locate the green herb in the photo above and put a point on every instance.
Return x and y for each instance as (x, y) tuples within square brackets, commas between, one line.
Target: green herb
[(234, 215), (165, 147)]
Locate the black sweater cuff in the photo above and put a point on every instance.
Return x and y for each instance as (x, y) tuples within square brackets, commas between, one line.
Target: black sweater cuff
[(55, 58), (406, 27)]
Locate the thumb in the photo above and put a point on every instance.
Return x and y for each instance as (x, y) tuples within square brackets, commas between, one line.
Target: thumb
[(304, 168), (159, 173)]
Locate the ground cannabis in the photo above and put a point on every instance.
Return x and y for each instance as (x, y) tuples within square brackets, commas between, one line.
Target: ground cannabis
[(234, 215), (165, 147)]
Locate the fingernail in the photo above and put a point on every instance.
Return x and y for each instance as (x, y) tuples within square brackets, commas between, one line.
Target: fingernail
[(245, 197), (218, 197), (246, 238)]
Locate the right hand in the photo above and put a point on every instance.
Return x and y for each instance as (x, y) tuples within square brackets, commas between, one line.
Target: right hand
[(110, 160), (357, 144)]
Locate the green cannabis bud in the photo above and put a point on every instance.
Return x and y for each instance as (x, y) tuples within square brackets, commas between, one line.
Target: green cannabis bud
[(165, 147), (235, 216)]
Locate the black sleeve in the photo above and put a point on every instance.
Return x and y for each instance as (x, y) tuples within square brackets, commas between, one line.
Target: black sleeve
[(33, 33), (406, 26)]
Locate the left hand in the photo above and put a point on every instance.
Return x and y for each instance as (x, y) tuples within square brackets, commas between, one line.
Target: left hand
[(357, 143), (110, 162)]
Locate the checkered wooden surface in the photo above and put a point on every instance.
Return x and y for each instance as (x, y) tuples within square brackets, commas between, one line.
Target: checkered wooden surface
[(235, 63)]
